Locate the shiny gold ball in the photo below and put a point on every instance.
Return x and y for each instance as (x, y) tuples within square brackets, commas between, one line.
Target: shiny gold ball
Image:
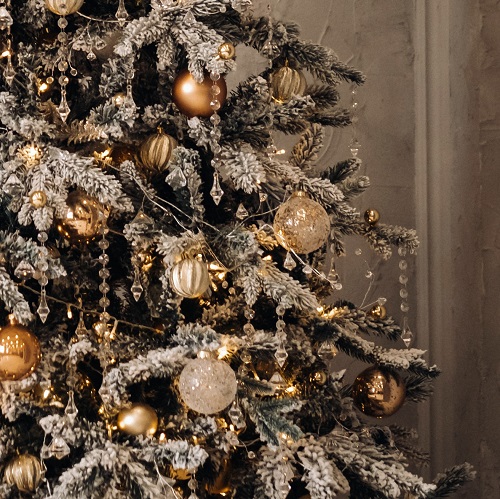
[(156, 151), (286, 83), (193, 98), (190, 278), (38, 199), (19, 352), (119, 99), (319, 378), (63, 7), (226, 51), (372, 216), (25, 472), (378, 312), (140, 419), (378, 392), (84, 217), (301, 224)]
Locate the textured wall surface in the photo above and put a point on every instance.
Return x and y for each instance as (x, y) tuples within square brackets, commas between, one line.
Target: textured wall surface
[(450, 48)]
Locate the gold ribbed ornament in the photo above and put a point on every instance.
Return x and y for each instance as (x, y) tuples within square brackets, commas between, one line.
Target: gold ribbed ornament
[(190, 278), (63, 7), (286, 83), (378, 392), (25, 472), (156, 151)]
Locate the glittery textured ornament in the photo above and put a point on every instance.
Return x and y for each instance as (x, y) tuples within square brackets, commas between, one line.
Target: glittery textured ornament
[(378, 392), (193, 98), (19, 352), (140, 419), (207, 386), (301, 224), (25, 472)]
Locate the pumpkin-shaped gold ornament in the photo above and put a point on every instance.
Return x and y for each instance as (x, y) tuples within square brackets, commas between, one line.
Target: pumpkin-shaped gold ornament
[(25, 472), (63, 7), (286, 83), (156, 151), (190, 278)]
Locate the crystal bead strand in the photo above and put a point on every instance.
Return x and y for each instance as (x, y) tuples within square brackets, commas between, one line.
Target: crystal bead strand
[(281, 354), (215, 135), (354, 145), (6, 22), (406, 334), (43, 265), (63, 65), (104, 274)]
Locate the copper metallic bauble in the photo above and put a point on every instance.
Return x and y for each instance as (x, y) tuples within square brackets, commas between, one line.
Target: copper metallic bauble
[(301, 224), (207, 385), (84, 217), (190, 278), (156, 151), (378, 392), (19, 352), (63, 7), (378, 312), (38, 199), (140, 419), (226, 51), (193, 98), (286, 83), (372, 216), (25, 472)]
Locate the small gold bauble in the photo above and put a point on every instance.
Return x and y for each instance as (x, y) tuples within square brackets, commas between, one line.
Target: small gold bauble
[(193, 98), (226, 51), (190, 278), (372, 216), (38, 199), (119, 99), (156, 151), (63, 7), (25, 472), (286, 83), (319, 378), (378, 392), (301, 224), (19, 352), (378, 312), (84, 218), (140, 419)]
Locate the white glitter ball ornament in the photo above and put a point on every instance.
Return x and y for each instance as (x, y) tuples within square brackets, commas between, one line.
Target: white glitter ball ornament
[(207, 386)]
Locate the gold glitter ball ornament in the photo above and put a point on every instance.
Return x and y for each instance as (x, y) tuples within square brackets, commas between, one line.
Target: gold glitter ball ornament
[(20, 352), (25, 472), (226, 51), (193, 98), (38, 199), (301, 224), (63, 7), (286, 83), (84, 217), (378, 392), (140, 419), (372, 216), (207, 385)]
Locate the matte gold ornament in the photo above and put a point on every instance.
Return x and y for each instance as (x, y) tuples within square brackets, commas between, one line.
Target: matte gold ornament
[(63, 7), (286, 83), (207, 385), (156, 151), (38, 199), (378, 312), (140, 419), (19, 352), (226, 51), (193, 98), (372, 216), (378, 392), (84, 218), (190, 278), (301, 224), (25, 472)]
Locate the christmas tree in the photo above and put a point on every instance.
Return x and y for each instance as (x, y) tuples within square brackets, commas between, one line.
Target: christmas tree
[(169, 295)]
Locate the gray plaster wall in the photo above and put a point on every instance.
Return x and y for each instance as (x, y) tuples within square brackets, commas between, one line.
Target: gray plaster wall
[(430, 133)]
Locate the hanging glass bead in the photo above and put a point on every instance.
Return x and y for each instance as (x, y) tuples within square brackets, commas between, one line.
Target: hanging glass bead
[(5, 18), (63, 109), (59, 448), (71, 411), (327, 350), (216, 192), (281, 355), (236, 415), (289, 262), (137, 288), (24, 270), (121, 14), (43, 309), (241, 212), (13, 186)]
